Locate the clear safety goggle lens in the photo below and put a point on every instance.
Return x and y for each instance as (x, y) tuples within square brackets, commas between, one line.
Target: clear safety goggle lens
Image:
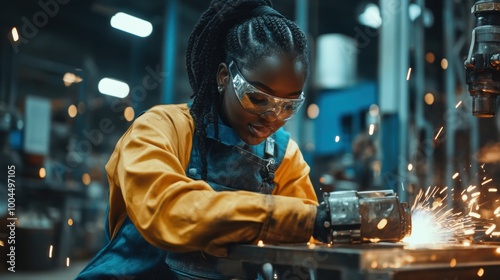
[(258, 102)]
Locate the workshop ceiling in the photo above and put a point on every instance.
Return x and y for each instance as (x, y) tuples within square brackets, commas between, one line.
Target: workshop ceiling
[(86, 23), (77, 33)]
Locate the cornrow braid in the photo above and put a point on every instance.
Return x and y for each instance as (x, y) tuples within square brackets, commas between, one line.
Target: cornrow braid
[(225, 31)]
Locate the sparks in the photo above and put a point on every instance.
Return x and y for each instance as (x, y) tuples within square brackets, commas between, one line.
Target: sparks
[(382, 224), (433, 222), (490, 229), (475, 215), (408, 74), (15, 34), (372, 129), (458, 104), (471, 188), (439, 132), (486, 182)]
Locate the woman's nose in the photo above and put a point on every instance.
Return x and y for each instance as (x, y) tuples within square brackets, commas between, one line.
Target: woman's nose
[(269, 116)]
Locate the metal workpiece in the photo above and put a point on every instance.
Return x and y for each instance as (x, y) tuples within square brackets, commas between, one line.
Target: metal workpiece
[(483, 60), (381, 261), (370, 216)]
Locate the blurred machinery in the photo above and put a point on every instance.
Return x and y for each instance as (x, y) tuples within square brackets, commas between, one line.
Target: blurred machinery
[(483, 61)]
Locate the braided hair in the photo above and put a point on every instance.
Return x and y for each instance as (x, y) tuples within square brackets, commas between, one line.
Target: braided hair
[(225, 32)]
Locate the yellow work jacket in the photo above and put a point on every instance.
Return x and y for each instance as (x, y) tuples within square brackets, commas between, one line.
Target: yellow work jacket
[(148, 183)]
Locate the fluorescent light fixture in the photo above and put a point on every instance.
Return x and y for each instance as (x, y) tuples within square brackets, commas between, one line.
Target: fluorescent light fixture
[(113, 87), (131, 24)]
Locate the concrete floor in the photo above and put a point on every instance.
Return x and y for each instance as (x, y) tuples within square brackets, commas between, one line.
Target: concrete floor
[(63, 273)]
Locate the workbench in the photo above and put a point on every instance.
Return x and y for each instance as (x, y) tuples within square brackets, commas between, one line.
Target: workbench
[(373, 261)]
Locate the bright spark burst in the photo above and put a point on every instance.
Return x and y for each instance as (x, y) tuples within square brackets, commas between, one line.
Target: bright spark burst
[(433, 222), (441, 215)]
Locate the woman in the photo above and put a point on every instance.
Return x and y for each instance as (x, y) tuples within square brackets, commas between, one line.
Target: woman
[(187, 181)]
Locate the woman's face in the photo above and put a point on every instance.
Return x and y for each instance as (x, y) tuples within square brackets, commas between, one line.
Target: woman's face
[(278, 76)]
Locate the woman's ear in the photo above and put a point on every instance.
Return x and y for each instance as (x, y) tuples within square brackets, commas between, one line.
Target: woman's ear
[(222, 76)]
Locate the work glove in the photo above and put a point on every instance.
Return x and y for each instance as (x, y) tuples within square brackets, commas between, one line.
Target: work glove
[(322, 224)]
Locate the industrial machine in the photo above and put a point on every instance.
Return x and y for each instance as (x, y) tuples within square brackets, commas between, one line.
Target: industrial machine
[(483, 61)]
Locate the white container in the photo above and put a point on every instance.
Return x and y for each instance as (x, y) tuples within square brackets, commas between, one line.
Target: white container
[(336, 61)]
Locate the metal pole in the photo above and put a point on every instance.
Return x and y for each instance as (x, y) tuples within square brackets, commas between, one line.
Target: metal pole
[(295, 125), (449, 38), (425, 149), (393, 87)]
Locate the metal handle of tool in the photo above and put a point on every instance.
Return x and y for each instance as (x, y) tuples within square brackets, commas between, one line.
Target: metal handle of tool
[(370, 216)]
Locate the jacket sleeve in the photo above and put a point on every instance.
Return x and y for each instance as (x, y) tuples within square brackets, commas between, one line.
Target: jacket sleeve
[(292, 176), (176, 213)]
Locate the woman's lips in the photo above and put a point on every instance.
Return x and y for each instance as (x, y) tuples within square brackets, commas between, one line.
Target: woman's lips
[(259, 131)]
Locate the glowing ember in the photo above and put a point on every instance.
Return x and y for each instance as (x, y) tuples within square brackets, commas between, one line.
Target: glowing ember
[(455, 175), (260, 243), (486, 182), (453, 263), (469, 232), (480, 272), (475, 215), (490, 229), (439, 132), (492, 190), (382, 224), (471, 188), (50, 251), (67, 261)]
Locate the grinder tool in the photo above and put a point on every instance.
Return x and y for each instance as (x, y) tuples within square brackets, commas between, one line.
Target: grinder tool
[(367, 216)]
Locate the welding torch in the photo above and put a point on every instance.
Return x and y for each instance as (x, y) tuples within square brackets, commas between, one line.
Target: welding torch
[(366, 216)]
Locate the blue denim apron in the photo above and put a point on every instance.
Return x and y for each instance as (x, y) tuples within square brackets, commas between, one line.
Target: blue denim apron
[(231, 165)]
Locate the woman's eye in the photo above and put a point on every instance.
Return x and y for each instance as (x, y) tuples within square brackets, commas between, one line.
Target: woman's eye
[(257, 99), (288, 107)]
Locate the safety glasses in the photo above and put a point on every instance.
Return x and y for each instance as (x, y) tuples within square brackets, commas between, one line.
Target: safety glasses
[(260, 103)]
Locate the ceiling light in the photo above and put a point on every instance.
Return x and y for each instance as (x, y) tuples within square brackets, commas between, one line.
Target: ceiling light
[(370, 16), (131, 24), (113, 87)]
